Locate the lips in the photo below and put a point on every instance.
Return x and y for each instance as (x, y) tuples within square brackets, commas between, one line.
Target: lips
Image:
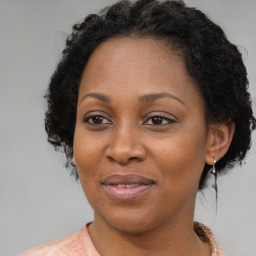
[(127, 187)]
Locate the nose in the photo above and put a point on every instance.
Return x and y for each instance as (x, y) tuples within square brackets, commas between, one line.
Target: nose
[(125, 145)]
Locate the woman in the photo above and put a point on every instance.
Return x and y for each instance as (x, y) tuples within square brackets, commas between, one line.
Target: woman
[(148, 99)]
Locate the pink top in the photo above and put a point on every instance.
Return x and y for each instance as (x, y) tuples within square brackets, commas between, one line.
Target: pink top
[(80, 244)]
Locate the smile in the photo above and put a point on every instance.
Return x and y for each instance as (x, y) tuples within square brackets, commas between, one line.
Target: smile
[(127, 187)]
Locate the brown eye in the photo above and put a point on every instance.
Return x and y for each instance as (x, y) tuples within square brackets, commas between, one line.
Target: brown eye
[(96, 120), (159, 120)]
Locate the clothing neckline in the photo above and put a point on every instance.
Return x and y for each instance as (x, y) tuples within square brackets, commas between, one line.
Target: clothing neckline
[(203, 232)]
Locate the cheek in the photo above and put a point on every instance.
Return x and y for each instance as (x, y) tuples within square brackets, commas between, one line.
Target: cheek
[(89, 158), (181, 158), (180, 162), (86, 149), (86, 155)]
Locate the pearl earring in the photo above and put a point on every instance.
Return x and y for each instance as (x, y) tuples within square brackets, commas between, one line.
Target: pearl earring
[(213, 171)]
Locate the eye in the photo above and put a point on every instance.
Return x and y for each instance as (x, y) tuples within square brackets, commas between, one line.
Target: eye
[(159, 120), (96, 120)]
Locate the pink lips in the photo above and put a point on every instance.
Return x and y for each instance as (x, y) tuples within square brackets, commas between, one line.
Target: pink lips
[(127, 187)]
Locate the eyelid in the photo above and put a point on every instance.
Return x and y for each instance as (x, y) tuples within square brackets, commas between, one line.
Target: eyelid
[(96, 113), (163, 115), (167, 120)]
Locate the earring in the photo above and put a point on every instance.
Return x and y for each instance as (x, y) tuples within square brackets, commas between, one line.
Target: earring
[(73, 164), (213, 171)]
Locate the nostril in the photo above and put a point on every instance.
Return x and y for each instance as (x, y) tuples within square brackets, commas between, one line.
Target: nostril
[(122, 160), (133, 158)]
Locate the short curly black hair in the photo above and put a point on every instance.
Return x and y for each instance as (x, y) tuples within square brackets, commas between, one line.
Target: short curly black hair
[(212, 61)]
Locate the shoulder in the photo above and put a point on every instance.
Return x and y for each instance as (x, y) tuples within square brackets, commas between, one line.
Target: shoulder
[(67, 246), (207, 235)]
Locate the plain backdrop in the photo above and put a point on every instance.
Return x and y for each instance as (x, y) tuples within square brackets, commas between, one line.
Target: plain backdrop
[(39, 201)]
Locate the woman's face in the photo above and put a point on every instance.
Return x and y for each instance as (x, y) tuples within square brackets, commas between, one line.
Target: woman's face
[(140, 140)]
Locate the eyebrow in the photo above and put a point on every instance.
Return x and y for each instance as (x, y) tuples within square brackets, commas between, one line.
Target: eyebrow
[(98, 96), (144, 99), (154, 96)]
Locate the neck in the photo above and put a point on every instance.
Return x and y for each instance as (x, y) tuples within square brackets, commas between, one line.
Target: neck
[(176, 238)]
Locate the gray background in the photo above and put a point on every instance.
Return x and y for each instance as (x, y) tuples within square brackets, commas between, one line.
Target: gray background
[(39, 202)]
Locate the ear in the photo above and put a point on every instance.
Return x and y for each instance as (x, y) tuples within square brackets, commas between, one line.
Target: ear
[(219, 139)]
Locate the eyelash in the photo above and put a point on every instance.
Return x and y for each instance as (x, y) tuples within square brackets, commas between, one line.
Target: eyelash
[(87, 119), (154, 115), (150, 117)]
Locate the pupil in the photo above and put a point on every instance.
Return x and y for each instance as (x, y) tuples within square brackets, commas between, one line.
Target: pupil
[(157, 120), (97, 119)]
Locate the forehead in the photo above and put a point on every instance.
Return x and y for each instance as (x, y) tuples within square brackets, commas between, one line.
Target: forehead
[(126, 54), (141, 65)]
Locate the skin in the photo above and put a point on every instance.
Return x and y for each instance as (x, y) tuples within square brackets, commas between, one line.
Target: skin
[(128, 140)]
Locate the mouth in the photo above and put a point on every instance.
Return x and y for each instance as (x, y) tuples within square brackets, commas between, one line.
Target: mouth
[(127, 187)]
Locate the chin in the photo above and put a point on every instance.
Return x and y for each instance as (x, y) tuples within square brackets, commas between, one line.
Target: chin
[(132, 222)]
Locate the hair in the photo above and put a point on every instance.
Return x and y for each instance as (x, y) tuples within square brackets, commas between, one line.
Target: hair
[(212, 61)]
